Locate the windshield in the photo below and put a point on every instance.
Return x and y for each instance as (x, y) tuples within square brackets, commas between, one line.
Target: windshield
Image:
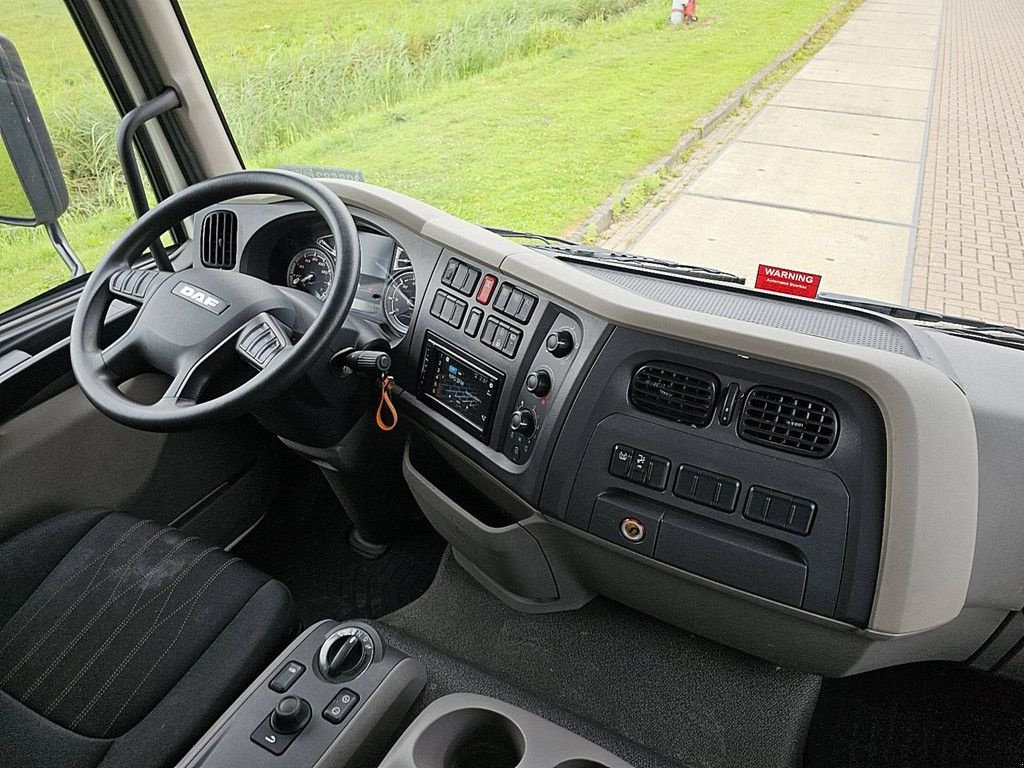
[(690, 136)]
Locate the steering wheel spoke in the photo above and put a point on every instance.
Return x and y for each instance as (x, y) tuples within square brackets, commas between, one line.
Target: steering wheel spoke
[(135, 285), (262, 340), (125, 357)]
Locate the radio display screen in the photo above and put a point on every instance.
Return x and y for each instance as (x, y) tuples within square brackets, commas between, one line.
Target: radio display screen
[(466, 391)]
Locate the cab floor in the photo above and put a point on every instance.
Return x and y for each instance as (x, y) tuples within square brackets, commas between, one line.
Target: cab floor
[(304, 544), (934, 715)]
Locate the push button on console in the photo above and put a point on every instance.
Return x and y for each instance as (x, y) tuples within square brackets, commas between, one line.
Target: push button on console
[(284, 679), (622, 458), (340, 706)]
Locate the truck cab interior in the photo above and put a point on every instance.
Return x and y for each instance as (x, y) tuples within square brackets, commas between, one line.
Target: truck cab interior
[(306, 472)]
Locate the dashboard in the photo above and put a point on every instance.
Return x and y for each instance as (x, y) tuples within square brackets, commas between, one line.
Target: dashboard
[(794, 479)]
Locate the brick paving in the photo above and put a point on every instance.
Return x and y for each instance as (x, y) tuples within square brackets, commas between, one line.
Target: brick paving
[(969, 250)]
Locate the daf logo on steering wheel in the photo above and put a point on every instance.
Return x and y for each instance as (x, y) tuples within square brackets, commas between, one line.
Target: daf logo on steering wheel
[(202, 298)]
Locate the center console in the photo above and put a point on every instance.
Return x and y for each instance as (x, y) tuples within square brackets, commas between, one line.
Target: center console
[(336, 694), (336, 697)]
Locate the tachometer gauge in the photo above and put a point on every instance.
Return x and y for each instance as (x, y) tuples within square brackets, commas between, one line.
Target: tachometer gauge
[(400, 300), (312, 271)]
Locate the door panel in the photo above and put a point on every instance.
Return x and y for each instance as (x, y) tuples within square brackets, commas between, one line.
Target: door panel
[(63, 454)]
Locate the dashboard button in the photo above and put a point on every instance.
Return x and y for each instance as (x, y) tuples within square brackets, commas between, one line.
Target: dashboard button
[(801, 516), (450, 270), (458, 313), (779, 507), (448, 310), (438, 304), (707, 489), (622, 459), (757, 504), (640, 469), (465, 279), (512, 343), (686, 482), (728, 494), (500, 336), (486, 289), (504, 294), (658, 475), (473, 324), (526, 310), (515, 303), (490, 327)]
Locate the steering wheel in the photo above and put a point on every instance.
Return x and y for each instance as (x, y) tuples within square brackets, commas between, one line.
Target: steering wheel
[(192, 324)]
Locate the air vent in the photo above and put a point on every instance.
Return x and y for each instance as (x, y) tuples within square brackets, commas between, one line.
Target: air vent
[(219, 239), (789, 421), (675, 392)]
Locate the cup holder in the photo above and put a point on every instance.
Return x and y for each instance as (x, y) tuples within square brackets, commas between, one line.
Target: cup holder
[(580, 763), (470, 738)]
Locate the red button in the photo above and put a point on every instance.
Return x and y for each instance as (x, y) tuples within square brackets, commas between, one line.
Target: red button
[(486, 289)]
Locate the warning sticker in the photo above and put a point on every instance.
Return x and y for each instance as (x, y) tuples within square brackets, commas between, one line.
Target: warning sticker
[(787, 281)]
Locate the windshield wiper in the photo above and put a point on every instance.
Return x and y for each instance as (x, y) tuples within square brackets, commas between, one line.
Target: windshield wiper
[(979, 330), (592, 254)]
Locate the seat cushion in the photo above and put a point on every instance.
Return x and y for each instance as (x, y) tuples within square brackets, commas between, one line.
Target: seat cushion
[(122, 640)]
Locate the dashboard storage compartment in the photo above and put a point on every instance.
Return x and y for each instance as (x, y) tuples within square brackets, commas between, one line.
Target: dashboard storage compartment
[(741, 559), (504, 553), (470, 731)]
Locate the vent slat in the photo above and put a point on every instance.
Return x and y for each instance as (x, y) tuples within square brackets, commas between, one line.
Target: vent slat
[(789, 421), (676, 392), (218, 240)]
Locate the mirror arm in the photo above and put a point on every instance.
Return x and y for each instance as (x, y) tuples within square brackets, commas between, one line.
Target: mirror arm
[(63, 247), (126, 131)]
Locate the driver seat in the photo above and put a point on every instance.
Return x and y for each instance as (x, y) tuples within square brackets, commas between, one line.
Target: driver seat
[(122, 641)]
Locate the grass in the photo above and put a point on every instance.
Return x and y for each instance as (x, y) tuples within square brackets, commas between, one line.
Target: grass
[(523, 113)]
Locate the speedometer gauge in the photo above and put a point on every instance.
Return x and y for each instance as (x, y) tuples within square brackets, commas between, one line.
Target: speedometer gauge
[(400, 300), (312, 271)]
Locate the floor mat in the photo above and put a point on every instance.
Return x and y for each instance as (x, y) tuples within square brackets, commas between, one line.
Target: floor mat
[(304, 544), (687, 699), (934, 715)]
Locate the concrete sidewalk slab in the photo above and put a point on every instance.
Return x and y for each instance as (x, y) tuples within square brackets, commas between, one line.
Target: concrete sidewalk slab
[(930, 7), (887, 16), (855, 99), (844, 185), (901, 9), (865, 54), (877, 75), (880, 137), (894, 26), (848, 252), (882, 39), (898, 13)]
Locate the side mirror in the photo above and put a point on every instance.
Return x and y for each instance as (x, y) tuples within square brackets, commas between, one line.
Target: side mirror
[(32, 188)]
